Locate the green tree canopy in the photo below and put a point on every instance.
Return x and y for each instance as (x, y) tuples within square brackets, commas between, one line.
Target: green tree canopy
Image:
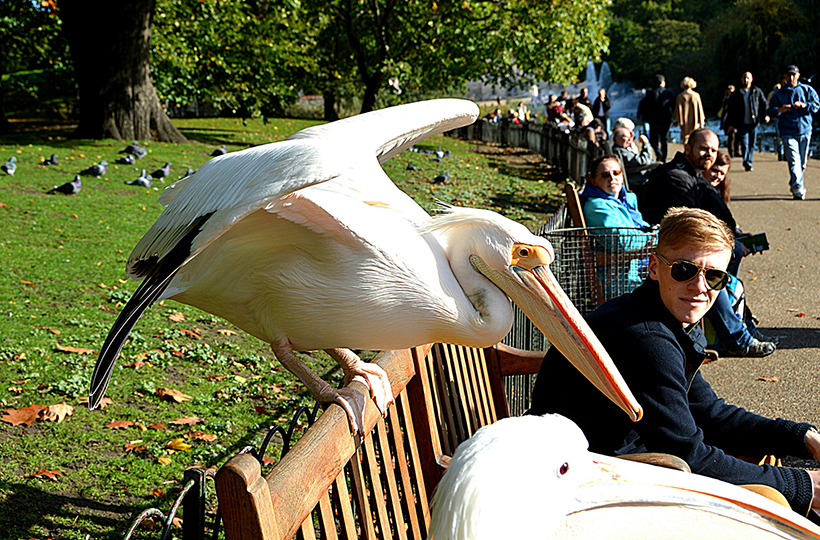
[(247, 57)]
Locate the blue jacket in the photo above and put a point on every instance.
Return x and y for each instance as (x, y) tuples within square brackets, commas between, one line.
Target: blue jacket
[(794, 121), (603, 211), (660, 361)]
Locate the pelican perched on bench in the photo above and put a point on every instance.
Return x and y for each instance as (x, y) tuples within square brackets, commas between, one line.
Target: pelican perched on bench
[(307, 245), (533, 477)]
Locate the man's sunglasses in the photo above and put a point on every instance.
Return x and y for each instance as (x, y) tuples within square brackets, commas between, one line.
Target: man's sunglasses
[(683, 271)]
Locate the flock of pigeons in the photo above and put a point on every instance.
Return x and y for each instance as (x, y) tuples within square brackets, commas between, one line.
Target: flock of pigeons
[(133, 152), (438, 156)]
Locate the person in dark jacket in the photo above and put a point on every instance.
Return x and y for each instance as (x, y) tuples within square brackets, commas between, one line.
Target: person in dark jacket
[(656, 343), (747, 109), (655, 109), (600, 108), (673, 184)]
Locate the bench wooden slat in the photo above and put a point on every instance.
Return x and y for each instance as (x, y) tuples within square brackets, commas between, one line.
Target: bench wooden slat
[(389, 466), (411, 443), (407, 493), (306, 530), (463, 408), (450, 424), (327, 522), (374, 479), (364, 514), (342, 501)]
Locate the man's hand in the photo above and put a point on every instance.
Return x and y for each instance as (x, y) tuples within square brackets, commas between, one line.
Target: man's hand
[(799, 105), (812, 442), (643, 139), (815, 488), (783, 108)]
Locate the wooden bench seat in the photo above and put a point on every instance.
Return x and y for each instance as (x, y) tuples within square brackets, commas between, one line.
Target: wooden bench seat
[(333, 485)]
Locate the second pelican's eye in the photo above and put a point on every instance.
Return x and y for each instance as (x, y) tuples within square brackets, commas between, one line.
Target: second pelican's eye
[(523, 252), (564, 469)]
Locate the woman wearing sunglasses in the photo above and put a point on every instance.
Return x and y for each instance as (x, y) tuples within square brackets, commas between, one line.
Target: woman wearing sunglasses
[(653, 336), (611, 209)]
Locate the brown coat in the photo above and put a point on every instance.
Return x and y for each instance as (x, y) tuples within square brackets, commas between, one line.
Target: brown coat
[(688, 113)]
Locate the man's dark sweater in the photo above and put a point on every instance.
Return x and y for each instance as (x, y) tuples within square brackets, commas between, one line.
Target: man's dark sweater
[(682, 415), (669, 186)]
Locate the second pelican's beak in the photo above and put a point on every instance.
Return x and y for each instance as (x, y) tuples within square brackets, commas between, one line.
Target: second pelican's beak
[(534, 289), (622, 499)]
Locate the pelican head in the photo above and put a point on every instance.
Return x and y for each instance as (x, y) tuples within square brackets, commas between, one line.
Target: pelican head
[(517, 262)]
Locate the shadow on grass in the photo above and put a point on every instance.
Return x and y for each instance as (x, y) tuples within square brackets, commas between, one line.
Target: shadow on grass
[(30, 512)]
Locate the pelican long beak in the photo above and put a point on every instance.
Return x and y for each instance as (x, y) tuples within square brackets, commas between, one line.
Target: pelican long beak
[(535, 290), (623, 499)]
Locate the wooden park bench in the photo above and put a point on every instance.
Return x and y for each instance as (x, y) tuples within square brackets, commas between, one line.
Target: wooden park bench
[(334, 485)]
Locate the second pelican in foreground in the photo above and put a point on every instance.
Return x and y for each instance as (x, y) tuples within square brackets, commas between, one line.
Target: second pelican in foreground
[(307, 244), (533, 477)]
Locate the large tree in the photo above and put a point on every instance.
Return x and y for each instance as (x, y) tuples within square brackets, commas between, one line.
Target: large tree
[(110, 44), (431, 45)]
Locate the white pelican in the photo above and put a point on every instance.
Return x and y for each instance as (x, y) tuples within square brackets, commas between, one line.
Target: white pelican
[(532, 477), (307, 244)]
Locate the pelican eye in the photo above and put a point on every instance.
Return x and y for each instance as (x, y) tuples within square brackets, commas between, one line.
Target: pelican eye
[(564, 469), (523, 252)]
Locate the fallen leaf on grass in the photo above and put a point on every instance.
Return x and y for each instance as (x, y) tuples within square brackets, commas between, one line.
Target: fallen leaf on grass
[(105, 401), (262, 410), (57, 413), (15, 389), (157, 427), (25, 416), (177, 317), (178, 445), (187, 421), (120, 424), (78, 350), (24, 282), (157, 492), (165, 460), (136, 364), (768, 379), (136, 448), (171, 394), (226, 332), (43, 473), (199, 435)]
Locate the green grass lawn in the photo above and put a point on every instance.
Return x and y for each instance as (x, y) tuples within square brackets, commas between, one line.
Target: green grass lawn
[(62, 264)]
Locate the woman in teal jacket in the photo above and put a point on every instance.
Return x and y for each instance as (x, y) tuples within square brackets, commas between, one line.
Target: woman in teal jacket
[(607, 204)]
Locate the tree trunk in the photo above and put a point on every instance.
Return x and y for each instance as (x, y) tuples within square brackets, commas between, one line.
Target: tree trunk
[(110, 45), (371, 91), (329, 96)]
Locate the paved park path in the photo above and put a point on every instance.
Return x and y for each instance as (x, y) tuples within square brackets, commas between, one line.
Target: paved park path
[(783, 290)]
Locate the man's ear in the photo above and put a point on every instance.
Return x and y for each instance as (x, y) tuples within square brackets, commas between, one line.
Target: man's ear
[(653, 267)]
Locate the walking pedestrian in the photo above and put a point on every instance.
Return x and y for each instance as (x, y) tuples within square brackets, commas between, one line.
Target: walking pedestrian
[(747, 108), (793, 106)]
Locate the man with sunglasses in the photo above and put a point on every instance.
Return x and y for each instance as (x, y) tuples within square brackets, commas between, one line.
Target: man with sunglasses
[(654, 337)]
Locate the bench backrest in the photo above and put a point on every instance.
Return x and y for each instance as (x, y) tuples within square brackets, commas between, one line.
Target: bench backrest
[(334, 485)]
